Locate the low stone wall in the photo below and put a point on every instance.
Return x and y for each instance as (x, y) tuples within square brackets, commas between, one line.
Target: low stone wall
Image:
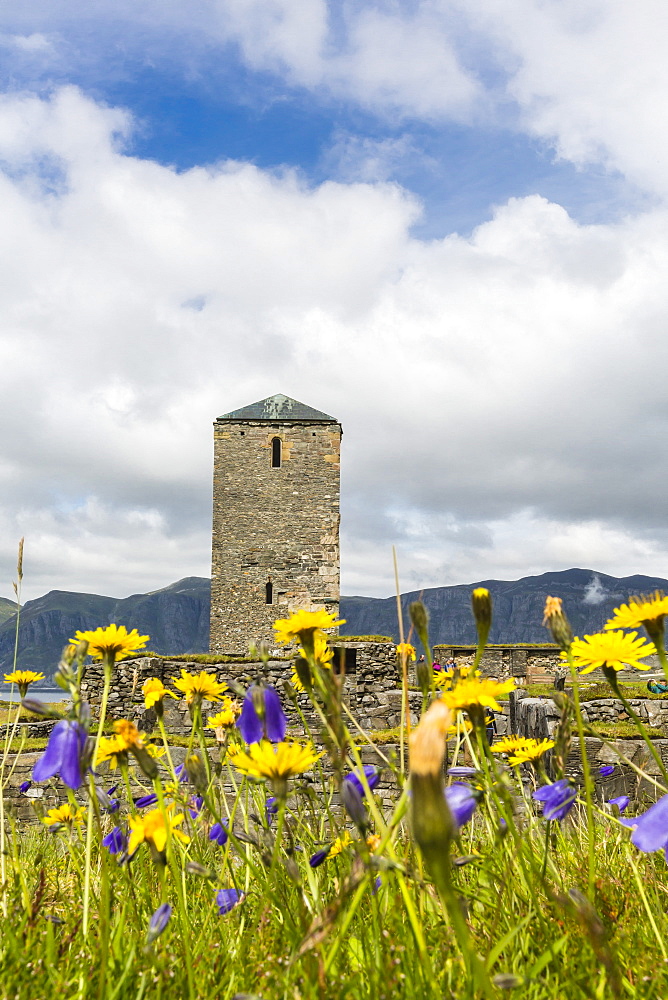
[(538, 718), (370, 687)]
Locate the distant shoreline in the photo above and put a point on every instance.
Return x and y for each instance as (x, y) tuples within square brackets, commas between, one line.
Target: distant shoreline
[(43, 694)]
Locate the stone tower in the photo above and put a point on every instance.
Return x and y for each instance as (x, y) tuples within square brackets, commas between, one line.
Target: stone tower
[(276, 475)]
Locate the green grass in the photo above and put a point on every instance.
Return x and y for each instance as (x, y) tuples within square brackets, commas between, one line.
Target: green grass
[(624, 730), (204, 658), (508, 904), (311, 934), (592, 692)]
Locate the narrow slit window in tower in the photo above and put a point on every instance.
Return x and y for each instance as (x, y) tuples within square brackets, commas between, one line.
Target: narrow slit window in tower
[(269, 593), (276, 453)]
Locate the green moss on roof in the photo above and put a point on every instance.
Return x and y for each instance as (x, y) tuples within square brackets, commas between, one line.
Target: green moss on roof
[(361, 638)]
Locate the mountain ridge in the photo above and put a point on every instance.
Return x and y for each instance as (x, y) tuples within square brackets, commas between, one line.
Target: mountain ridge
[(176, 617)]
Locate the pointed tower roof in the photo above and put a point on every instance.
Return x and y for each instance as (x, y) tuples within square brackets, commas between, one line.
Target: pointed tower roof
[(279, 408)]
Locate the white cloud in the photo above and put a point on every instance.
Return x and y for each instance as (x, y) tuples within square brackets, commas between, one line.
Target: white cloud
[(502, 395)]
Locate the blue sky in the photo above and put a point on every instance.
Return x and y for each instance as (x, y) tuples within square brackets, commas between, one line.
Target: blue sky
[(458, 170), (445, 223)]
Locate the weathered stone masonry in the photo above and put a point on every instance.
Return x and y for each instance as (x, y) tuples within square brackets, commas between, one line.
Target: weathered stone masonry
[(275, 545)]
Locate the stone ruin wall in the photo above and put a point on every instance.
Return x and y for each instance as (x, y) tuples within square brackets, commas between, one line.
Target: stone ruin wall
[(370, 691), (526, 664), (532, 664)]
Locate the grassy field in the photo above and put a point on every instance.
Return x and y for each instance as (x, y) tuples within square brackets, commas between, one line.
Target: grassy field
[(287, 871)]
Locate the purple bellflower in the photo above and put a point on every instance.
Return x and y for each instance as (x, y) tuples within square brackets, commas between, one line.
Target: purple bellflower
[(270, 722), (317, 859), (195, 806), (462, 772), (107, 804), (63, 754), (606, 770), (24, 786), (557, 798), (146, 800), (158, 922), (462, 802), (372, 778), (621, 802), (651, 829), (116, 841), (218, 834), (227, 899)]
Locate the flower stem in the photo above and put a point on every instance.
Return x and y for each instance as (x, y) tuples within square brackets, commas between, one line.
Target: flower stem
[(107, 665), (586, 773)]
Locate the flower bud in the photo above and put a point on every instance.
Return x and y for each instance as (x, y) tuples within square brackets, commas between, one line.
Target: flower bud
[(354, 805), (196, 771), (38, 707), (431, 820), (419, 615), (195, 868), (481, 602), (158, 922), (424, 673), (145, 761), (557, 622)]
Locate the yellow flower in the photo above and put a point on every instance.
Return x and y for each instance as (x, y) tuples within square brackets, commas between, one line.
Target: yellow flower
[(610, 649), (447, 679), (477, 692), (405, 649), (154, 691), (322, 653), (201, 686), (276, 761), (64, 815), (128, 734), (113, 750), (227, 715), (648, 610), (23, 679), (339, 844), (152, 828), (521, 748), (529, 753), (155, 750), (111, 642), (304, 623), (459, 728), (232, 750), (373, 842)]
